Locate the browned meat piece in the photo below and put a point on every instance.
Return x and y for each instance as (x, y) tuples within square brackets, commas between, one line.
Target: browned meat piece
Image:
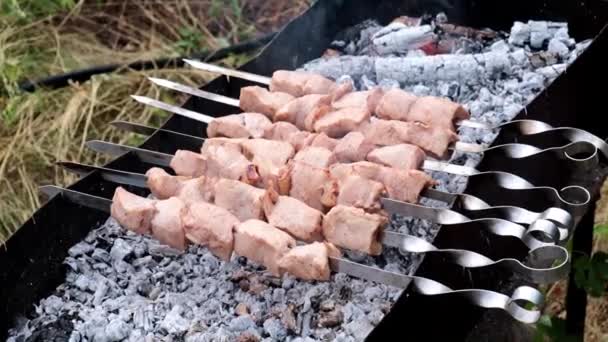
[(316, 156), (363, 99), (313, 186), (131, 211), (242, 200), (353, 147), (402, 156), (212, 226), (293, 216), (273, 151), (244, 125), (309, 262), (437, 111), (395, 104), (353, 228), (303, 111), (259, 100), (299, 83), (322, 140), (401, 185), (338, 123), (163, 185), (188, 163), (433, 140), (359, 192), (262, 243), (281, 130), (167, 225)]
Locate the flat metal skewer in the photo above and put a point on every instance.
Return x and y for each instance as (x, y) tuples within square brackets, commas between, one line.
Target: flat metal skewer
[(479, 297)]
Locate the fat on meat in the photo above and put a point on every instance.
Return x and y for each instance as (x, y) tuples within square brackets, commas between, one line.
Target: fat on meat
[(338, 123), (293, 216), (132, 212), (309, 262), (243, 200), (298, 83), (354, 229), (401, 156), (243, 125), (262, 243), (256, 99), (167, 225), (211, 226), (303, 111), (353, 147)]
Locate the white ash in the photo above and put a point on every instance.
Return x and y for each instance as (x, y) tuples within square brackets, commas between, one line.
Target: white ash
[(121, 286)]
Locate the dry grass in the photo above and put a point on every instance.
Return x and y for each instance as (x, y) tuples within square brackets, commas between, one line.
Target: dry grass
[(38, 129)]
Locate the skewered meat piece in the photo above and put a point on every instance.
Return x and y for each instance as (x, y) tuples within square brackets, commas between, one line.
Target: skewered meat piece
[(280, 130), (402, 156), (353, 228), (338, 123), (211, 144), (401, 185), (299, 83), (316, 156), (303, 111), (340, 90), (322, 140), (293, 216), (243, 125), (309, 262), (262, 243), (363, 99), (397, 104), (259, 100), (188, 163), (227, 162), (163, 185), (167, 225), (312, 185), (359, 192), (132, 212), (433, 140), (242, 200), (273, 151), (212, 226), (353, 147)]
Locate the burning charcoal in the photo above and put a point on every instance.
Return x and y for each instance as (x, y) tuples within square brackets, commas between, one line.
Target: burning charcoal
[(174, 323), (241, 323), (303, 339), (331, 318), (288, 318), (375, 316), (373, 292), (327, 305), (80, 249), (552, 71), (146, 261), (352, 312), (84, 283), (100, 292), (539, 32), (116, 330), (557, 47), (520, 33), (256, 286), (275, 329), (400, 38), (288, 282), (156, 249), (359, 329), (278, 295), (120, 250), (101, 255)]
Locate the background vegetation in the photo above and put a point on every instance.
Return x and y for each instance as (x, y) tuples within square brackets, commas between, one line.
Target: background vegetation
[(39, 38)]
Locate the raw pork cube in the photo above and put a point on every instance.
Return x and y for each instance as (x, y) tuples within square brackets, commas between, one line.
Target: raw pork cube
[(401, 156), (163, 185), (243, 125), (316, 156), (365, 99), (303, 111), (131, 211), (275, 152), (313, 186), (353, 147), (299, 83), (293, 216), (338, 123), (167, 225), (281, 130), (200, 189), (259, 100), (322, 140), (354, 229), (437, 111), (359, 192), (242, 200), (262, 243), (395, 104), (188, 163), (309, 262), (209, 225)]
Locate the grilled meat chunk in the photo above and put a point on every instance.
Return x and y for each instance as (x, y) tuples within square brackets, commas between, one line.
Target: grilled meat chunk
[(188, 163), (359, 192), (299, 83), (131, 211), (303, 111), (163, 185), (259, 100), (433, 140), (309, 262), (167, 225), (402, 156), (353, 228), (293, 216), (280, 130), (212, 226), (200, 189), (262, 243), (362, 99), (338, 123), (313, 186), (402, 185), (316, 156), (353, 147), (243, 125), (275, 152), (395, 104), (227, 162), (242, 200)]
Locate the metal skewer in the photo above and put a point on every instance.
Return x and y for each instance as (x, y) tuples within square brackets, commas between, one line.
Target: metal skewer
[(479, 297)]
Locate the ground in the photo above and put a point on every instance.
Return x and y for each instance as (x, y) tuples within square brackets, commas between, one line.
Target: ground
[(39, 38)]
